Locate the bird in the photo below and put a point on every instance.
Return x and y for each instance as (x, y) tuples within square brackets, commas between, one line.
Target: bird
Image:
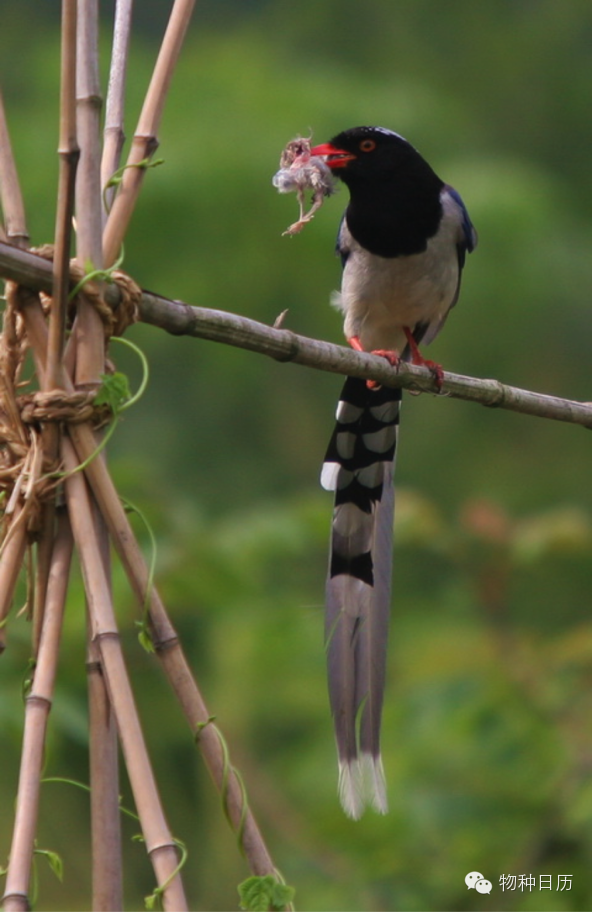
[(402, 241)]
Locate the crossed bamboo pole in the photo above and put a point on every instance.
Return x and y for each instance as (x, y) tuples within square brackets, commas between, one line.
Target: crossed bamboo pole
[(93, 511)]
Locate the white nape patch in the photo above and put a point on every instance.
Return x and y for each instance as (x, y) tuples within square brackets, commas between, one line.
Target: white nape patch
[(350, 788), (373, 783), (386, 132)]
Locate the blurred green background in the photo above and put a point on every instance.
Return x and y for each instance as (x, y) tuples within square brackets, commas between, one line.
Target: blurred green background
[(487, 736)]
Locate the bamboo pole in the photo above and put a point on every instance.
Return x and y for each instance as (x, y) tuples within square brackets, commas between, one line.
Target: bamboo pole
[(68, 154), (107, 872), (172, 658), (114, 135), (38, 706), (145, 141), (159, 843), (11, 561), (11, 199), (90, 349), (168, 648), (15, 531), (89, 345)]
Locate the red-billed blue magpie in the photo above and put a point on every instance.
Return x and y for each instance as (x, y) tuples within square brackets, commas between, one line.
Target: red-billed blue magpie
[(402, 242)]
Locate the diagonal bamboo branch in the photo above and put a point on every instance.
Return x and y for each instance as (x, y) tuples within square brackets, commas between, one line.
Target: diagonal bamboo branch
[(145, 141), (179, 319), (283, 345), (114, 136)]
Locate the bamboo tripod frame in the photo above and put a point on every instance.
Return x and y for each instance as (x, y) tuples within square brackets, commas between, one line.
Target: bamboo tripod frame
[(83, 512)]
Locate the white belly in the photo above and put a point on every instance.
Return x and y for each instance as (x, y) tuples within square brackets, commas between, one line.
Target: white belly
[(380, 296)]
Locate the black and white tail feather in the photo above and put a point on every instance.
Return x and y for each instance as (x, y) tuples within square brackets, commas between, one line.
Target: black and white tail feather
[(359, 468)]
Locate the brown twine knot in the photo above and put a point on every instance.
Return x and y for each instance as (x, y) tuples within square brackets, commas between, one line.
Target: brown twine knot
[(116, 310), (57, 405)]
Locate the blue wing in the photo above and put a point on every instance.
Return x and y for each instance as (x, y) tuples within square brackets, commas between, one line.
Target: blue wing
[(340, 248), (468, 240)]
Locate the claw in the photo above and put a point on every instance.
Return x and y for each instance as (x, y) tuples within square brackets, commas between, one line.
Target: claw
[(417, 358), (391, 356)]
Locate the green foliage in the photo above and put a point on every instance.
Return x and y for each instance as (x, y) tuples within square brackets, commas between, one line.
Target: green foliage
[(113, 392), (264, 894)]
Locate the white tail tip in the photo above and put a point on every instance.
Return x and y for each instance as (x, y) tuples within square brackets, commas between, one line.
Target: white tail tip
[(362, 783), (374, 783), (350, 788)]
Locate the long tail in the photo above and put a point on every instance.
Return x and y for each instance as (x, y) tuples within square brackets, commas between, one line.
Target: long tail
[(359, 468)]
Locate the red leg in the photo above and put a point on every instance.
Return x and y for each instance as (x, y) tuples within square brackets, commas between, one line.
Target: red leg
[(418, 358), (391, 356)]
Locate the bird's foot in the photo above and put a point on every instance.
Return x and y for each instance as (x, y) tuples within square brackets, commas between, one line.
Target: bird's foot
[(392, 357), (418, 359)]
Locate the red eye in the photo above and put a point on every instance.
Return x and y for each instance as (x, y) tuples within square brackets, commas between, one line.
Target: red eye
[(367, 145)]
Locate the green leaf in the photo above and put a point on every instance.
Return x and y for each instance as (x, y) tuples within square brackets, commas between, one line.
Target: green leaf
[(54, 861), (264, 894), (144, 637), (114, 391)]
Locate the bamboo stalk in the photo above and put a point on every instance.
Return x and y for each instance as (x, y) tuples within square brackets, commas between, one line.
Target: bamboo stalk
[(284, 345), (38, 706), (107, 875), (68, 154), (89, 345), (11, 198), (172, 658), (169, 650), (113, 134), (14, 545), (159, 843), (11, 562), (107, 872), (90, 360), (145, 141)]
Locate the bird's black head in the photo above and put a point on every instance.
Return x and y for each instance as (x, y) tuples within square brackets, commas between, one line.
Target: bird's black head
[(395, 195), (372, 154)]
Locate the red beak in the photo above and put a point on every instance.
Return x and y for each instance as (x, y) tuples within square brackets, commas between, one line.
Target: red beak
[(334, 157)]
